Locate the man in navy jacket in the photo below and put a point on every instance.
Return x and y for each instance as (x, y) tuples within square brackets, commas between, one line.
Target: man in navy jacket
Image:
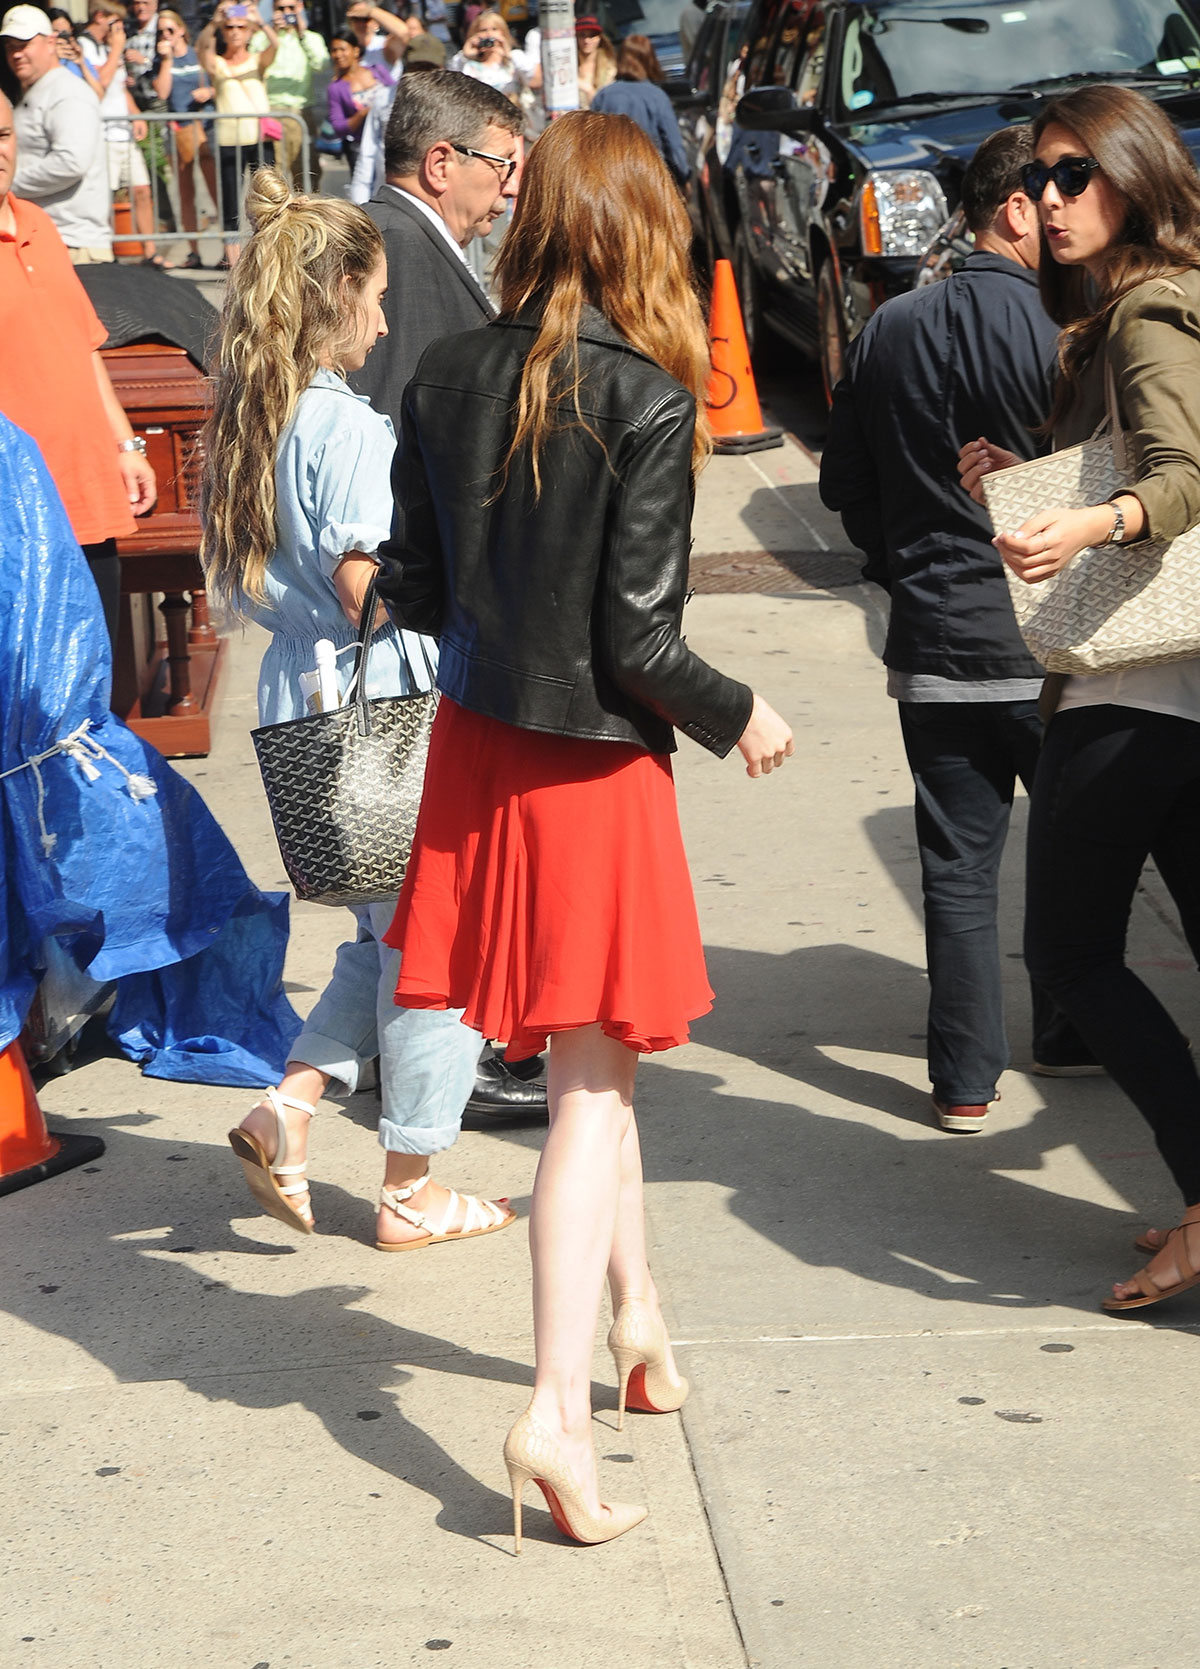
[(932, 369)]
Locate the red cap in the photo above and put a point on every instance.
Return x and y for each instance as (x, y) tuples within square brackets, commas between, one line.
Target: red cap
[(588, 26)]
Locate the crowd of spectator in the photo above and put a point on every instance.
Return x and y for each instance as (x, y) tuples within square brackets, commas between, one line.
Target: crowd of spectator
[(161, 163)]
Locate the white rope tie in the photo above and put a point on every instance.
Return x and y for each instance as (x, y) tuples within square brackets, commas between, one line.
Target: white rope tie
[(85, 750)]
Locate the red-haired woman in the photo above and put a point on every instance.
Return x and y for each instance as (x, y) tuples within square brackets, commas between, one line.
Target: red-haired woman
[(543, 507)]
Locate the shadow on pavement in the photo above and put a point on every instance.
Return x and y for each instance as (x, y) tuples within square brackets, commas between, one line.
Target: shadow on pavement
[(950, 1218), (109, 1288)]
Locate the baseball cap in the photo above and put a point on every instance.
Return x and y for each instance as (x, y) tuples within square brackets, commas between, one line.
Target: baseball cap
[(22, 23), (583, 25), (426, 49)]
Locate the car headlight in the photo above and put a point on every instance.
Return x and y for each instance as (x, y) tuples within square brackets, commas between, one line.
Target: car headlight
[(902, 212)]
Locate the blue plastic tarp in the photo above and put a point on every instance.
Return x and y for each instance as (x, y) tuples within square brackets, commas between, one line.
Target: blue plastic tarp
[(105, 847)]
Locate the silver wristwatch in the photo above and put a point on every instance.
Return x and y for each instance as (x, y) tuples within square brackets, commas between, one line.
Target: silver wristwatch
[(1116, 534), (137, 444)]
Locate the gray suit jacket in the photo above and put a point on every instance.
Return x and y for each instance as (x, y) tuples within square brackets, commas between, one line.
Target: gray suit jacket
[(430, 293)]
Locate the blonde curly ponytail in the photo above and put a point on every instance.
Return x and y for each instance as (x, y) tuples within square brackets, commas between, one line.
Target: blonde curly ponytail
[(288, 310)]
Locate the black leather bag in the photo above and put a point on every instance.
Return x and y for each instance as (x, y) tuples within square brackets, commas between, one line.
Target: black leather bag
[(344, 787)]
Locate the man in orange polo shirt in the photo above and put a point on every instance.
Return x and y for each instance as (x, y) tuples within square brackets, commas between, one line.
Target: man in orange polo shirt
[(54, 385)]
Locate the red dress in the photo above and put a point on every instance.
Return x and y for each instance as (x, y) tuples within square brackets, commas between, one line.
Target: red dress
[(549, 889)]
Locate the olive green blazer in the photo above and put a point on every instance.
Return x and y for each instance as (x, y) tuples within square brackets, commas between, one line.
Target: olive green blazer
[(1153, 346)]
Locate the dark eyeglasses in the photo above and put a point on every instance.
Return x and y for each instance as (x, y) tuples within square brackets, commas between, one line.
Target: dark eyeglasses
[(507, 165), (1070, 174)]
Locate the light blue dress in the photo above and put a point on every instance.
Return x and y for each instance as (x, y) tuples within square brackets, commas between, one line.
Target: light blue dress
[(333, 495)]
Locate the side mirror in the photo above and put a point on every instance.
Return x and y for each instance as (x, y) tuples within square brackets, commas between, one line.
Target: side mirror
[(683, 95), (774, 110)]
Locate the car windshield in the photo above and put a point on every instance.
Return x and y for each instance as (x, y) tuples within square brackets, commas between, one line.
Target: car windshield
[(659, 17), (898, 53)]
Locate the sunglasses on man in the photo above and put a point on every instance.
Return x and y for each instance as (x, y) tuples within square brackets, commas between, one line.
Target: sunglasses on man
[(1070, 174)]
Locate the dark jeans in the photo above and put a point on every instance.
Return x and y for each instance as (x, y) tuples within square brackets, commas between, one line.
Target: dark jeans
[(105, 567), (965, 759), (1115, 785)]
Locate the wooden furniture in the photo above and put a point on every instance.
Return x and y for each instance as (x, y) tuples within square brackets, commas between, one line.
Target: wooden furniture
[(165, 683)]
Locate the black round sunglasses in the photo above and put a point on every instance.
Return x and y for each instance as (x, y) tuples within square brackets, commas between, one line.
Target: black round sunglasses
[(1070, 174)]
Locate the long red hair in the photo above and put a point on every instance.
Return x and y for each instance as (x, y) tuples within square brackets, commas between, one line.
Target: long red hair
[(600, 222)]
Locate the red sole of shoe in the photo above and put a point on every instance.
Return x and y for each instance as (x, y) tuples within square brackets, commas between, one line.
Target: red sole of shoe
[(635, 1394), (557, 1514)]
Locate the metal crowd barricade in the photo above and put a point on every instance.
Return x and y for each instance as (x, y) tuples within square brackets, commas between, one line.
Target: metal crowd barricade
[(215, 170)]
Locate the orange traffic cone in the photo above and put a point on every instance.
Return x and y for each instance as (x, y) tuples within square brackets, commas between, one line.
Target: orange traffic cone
[(28, 1152), (732, 400)]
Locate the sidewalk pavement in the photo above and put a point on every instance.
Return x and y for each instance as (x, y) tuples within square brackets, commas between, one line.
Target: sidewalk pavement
[(913, 1440)]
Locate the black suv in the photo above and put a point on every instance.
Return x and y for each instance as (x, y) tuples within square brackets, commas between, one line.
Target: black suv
[(857, 119)]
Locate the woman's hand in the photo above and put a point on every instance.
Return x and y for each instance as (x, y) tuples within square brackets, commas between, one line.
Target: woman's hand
[(766, 741), (977, 459), (202, 95), (1042, 546)]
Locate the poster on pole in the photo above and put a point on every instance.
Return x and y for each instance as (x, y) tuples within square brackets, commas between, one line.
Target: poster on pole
[(560, 69)]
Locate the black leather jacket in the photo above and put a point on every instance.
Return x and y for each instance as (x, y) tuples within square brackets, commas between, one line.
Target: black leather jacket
[(563, 614)]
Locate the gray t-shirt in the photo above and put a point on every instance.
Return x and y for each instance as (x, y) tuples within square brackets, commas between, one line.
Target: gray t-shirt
[(62, 164)]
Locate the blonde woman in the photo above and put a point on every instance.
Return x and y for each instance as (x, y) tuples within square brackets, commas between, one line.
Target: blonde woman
[(490, 54), (296, 501), (548, 893), (236, 74)]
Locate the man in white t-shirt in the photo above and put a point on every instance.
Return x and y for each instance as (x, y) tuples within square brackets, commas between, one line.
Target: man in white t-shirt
[(61, 163), (103, 44)]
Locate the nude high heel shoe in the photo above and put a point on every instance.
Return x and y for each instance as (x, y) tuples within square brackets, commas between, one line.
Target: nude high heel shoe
[(530, 1451), (639, 1348)]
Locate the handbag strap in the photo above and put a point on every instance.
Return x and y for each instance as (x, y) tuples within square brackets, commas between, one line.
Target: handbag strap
[(362, 654), (1120, 445)]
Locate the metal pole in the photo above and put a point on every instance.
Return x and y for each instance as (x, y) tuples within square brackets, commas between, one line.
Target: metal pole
[(560, 66)]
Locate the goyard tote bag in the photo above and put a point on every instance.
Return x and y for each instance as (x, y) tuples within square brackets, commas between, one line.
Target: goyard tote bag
[(1113, 606), (344, 787)]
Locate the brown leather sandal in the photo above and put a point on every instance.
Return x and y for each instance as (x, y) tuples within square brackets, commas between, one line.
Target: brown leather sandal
[(1148, 1288)]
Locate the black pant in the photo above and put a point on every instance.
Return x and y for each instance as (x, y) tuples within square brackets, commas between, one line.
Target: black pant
[(1115, 785), (105, 567), (234, 161), (966, 758)]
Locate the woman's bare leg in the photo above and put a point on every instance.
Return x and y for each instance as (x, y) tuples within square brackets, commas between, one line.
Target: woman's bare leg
[(577, 1202), (628, 1267)]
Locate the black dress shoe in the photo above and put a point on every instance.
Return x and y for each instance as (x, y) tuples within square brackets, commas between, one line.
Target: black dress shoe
[(504, 1090)]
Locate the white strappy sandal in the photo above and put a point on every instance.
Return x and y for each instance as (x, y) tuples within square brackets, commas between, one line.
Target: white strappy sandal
[(261, 1173), (479, 1217)]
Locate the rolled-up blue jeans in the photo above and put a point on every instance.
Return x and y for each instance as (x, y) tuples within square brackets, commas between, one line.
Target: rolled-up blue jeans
[(427, 1057)]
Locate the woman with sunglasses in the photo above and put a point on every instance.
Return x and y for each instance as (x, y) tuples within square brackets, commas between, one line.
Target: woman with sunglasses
[(183, 86), (548, 893), (1119, 777), (236, 74)]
